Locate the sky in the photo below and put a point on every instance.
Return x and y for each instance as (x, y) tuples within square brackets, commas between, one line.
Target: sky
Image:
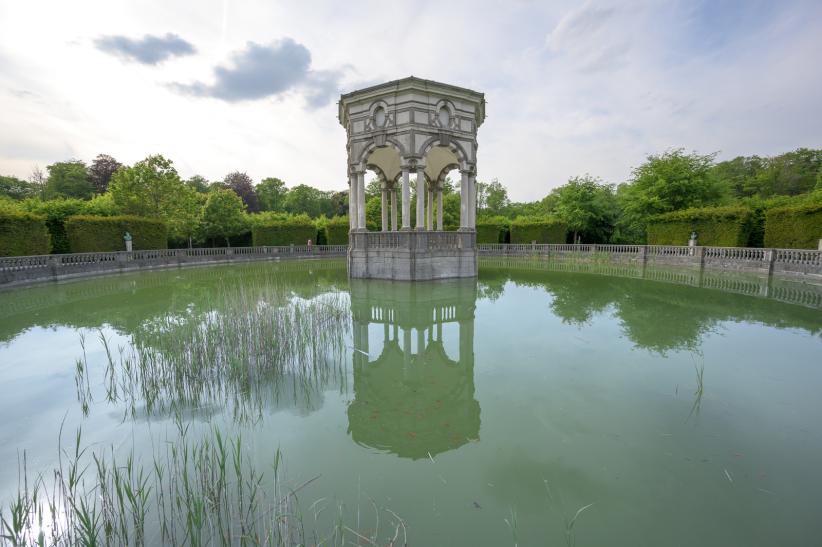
[(251, 85)]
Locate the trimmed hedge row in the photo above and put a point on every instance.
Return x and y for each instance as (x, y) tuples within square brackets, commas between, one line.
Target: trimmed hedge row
[(336, 231), (23, 234), (274, 232), (714, 226), (526, 230), (92, 234), (797, 227), (493, 230)]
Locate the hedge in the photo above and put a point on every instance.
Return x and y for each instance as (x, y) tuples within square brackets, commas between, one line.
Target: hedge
[(797, 227), (283, 231), (336, 231), (493, 230), (89, 234), (714, 226), (541, 230), (23, 234)]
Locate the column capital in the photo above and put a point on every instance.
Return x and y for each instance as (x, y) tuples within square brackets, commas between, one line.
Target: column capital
[(412, 164)]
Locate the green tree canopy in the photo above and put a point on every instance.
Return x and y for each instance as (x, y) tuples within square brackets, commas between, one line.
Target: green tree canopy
[(149, 188), (306, 199), (198, 184), (223, 215), (15, 188), (667, 182), (492, 198), (68, 179), (587, 207), (271, 194)]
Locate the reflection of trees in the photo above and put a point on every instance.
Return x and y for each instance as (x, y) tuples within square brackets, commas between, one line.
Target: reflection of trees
[(243, 338), (656, 316), (125, 302), (413, 399)]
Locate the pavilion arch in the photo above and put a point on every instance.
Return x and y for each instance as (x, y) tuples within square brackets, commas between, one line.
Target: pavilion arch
[(386, 158)]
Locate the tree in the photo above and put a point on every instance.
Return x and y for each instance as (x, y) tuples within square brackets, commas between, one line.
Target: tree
[(667, 182), (101, 170), (223, 215), (496, 198), (198, 184), (740, 174), (37, 179), (311, 201), (338, 202), (587, 207), (149, 188), (184, 223), (789, 174), (16, 189), (271, 194), (243, 186), (373, 188), (68, 179)]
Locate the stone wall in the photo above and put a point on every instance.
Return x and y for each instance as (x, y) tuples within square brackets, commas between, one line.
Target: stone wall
[(412, 255)]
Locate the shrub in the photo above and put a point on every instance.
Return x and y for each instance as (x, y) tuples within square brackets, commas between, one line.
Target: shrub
[(539, 229), (715, 226), (273, 230), (493, 230), (336, 231), (798, 227), (56, 211), (88, 234), (22, 233)]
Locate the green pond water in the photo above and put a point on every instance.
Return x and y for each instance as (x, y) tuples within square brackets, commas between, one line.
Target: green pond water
[(480, 412)]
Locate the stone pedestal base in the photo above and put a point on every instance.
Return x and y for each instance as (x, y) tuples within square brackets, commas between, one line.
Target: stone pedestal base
[(412, 255)]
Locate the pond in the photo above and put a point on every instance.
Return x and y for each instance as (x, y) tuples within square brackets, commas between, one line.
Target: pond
[(528, 407)]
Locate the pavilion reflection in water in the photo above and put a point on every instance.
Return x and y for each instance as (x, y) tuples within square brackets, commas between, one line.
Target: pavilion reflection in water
[(411, 397)]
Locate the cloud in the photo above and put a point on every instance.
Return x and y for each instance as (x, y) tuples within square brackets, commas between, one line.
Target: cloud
[(592, 36), (261, 71), (148, 50)]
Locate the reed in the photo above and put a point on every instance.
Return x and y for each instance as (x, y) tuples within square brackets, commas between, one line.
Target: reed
[(238, 352), (191, 491)]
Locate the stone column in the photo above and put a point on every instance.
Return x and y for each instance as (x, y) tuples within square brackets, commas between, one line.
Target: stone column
[(430, 220), (472, 204), (465, 192), (406, 200), (394, 195), (439, 208), (420, 197), (352, 201), (384, 208), (361, 200)]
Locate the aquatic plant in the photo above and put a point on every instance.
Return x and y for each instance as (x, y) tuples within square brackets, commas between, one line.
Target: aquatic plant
[(193, 491), (243, 347)]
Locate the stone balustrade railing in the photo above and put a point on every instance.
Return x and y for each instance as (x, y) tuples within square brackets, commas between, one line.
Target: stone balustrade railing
[(796, 262), (17, 270)]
